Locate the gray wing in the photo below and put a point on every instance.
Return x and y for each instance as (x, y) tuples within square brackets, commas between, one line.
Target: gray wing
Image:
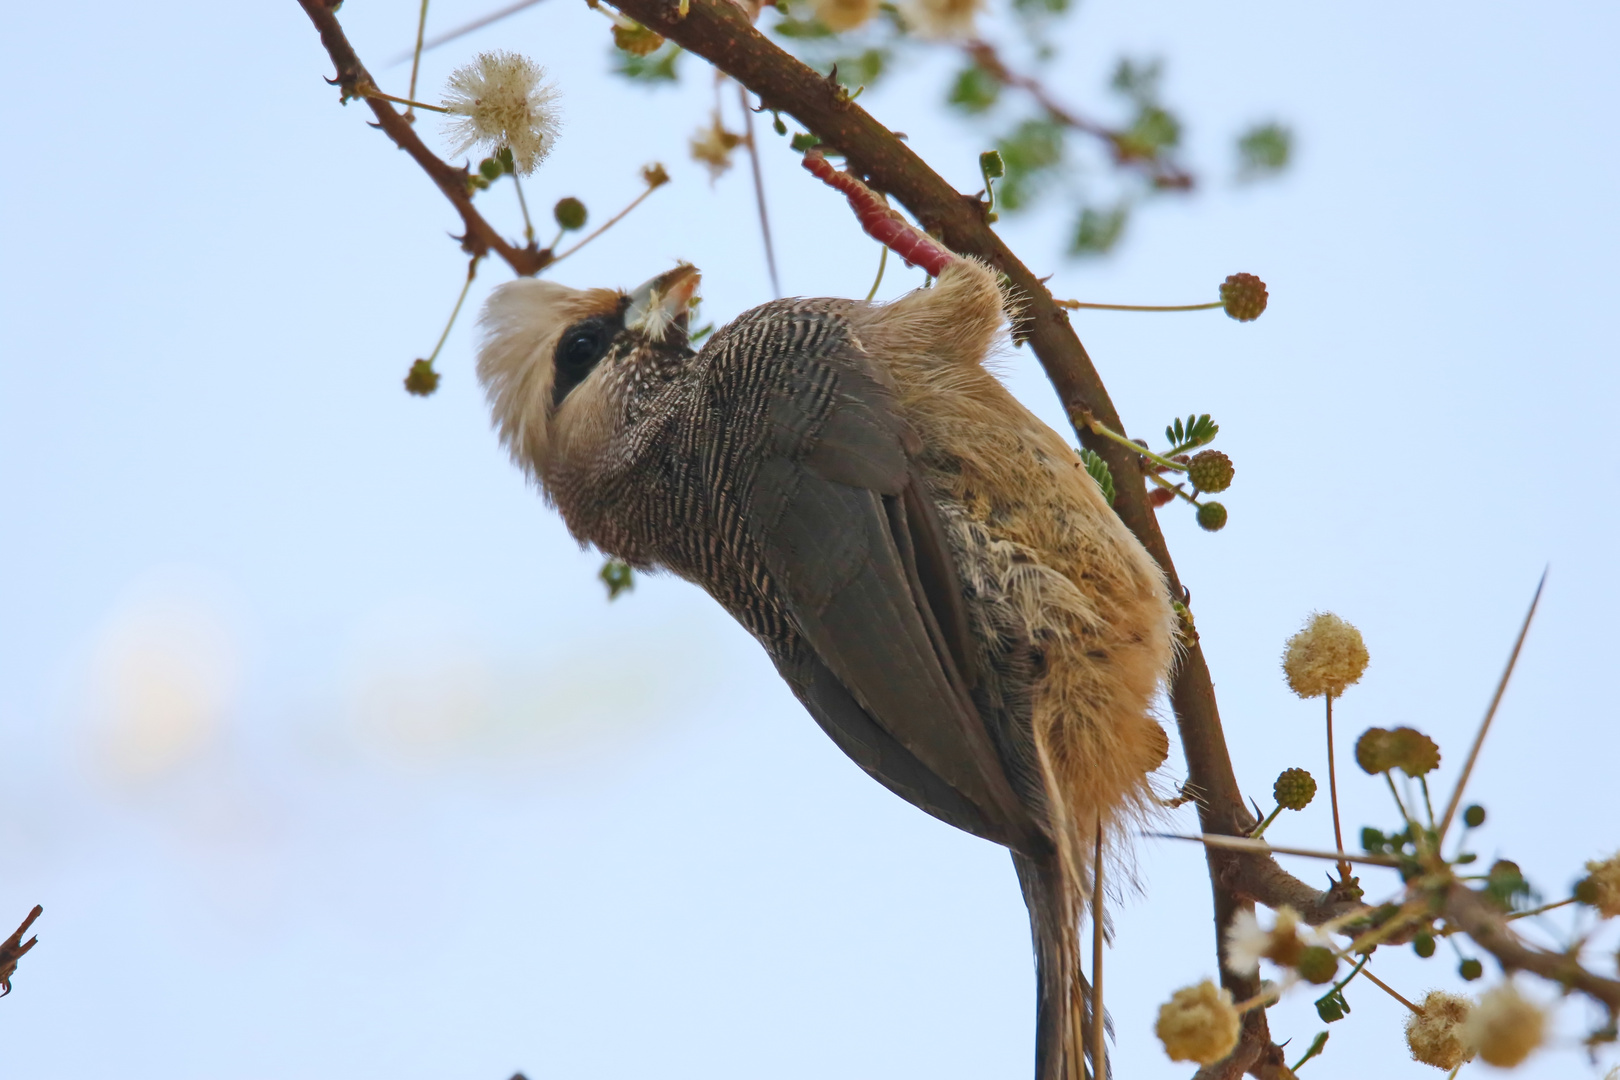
[(847, 531)]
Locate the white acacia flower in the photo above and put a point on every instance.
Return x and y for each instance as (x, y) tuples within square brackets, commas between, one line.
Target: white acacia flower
[(1435, 1035), (1199, 1023), (1247, 942), (501, 100), (1325, 657), (1505, 1027), (942, 19)]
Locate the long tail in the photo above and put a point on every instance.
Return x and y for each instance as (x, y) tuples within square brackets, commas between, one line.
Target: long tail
[(1064, 1017)]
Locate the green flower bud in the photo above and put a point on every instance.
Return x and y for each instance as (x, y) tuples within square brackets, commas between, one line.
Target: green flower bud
[(1474, 816), (1470, 970), (1317, 964), (1374, 752), (617, 576), (1295, 788), (1210, 470), (491, 169), (570, 213), (421, 380), (1329, 1010), (1423, 944), (1211, 516)]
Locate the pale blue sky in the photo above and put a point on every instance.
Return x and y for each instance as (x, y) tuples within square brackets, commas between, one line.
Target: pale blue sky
[(324, 752)]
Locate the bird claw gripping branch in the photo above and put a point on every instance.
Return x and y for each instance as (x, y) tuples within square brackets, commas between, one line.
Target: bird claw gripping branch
[(881, 222)]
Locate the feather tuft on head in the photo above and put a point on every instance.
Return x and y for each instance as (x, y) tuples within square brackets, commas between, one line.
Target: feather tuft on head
[(520, 327)]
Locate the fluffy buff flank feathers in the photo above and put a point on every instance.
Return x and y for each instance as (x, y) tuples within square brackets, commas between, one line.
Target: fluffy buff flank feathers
[(944, 20), (1325, 657), (500, 100), (1505, 1026), (1199, 1023), (1436, 1036)]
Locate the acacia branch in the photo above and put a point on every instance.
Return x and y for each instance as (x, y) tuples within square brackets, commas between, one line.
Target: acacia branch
[(1163, 173), (479, 237), (1488, 929), (720, 32), (14, 948)]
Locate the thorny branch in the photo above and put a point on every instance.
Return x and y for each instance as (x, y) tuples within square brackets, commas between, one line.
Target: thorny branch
[(720, 32), (1489, 930), (1164, 174), (480, 236), (13, 948)]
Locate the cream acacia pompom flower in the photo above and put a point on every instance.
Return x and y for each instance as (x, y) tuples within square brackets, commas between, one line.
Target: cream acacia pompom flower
[(842, 15), (501, 99), (1435, 1037), (1505, 1027), (1602, 886), (942, 20), (1325, 657), (1199, 1023), (1247, 942)]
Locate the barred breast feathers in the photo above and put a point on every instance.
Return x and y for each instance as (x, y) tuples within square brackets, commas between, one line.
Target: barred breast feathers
[(1090, 595)]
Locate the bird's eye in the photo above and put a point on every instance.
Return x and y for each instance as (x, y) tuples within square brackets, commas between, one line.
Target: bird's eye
[(580, 349), (578, 352)]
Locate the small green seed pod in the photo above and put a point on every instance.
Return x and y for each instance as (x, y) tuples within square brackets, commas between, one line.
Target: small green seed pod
[(1210, 470), (570, 213), (1373, 752), (1211, 516), (1294, 789), (1317, 964), (421, 380)]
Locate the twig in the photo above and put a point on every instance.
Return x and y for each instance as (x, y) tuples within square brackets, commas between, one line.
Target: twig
[(464, 29), (609, 223), (1490, 713), (759, 187), (883, 262), (13, 949), (1542, 910), (461, 298), (1488, 929), (1073, 305), (1244, 843), (416, 57), (1165, 174), (1390, 990), (1333, 788), (479, 237)]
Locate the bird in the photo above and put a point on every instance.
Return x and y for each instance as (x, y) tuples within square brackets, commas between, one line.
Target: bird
[(930, 567)]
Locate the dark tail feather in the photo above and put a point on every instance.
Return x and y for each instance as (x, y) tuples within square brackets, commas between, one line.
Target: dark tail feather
[(1064, 1016)]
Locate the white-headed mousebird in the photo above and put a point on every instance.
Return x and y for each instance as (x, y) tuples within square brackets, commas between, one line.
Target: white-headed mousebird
[(929, 566)]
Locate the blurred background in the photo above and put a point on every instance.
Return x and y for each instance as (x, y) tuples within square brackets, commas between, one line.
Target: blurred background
[(325, 752)]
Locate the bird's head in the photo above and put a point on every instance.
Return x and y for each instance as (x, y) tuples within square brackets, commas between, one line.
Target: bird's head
[(560, 365)]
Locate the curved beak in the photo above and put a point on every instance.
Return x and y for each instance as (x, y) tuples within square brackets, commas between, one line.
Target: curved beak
[(663, 302)]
